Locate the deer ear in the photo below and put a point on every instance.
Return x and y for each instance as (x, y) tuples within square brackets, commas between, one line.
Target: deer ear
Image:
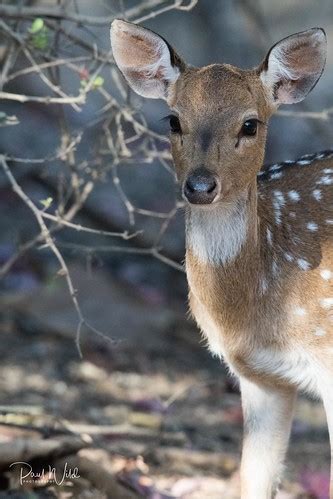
[(294, 65), (147, 62)]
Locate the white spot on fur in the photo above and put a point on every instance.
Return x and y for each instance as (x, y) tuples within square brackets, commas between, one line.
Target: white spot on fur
[(269, 236), (292, 214), (326, 274), (312, 226), (300, 311), (264, 285), (326, 303), (288, 257), (317, 194), (278, 201), (303, 162), (294, 195), (303, 264), (319, 331), (277, 214), (329, 221), (276, 176), (275, 268), (279, 198), (325, 180)]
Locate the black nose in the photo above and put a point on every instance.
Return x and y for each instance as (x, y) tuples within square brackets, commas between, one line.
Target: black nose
[(201, 187)]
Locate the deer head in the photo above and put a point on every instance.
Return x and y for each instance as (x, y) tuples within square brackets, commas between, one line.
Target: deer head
[(219, 112)]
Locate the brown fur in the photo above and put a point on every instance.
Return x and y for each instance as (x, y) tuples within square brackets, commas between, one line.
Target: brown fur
[(216, 98), (250, 319), (274, 295)]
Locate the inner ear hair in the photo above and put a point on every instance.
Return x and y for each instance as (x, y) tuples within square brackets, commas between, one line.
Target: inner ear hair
[(294, 65), (146, 60)]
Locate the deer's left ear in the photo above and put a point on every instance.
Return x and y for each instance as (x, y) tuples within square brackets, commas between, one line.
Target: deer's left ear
[(293, 66), (147, 61)]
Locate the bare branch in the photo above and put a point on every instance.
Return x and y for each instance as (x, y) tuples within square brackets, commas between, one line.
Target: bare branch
[(14, 12), (45, 234), (123, 135), (81, 228), (187, 7), (325, 114), (47, 65), (79, 99)]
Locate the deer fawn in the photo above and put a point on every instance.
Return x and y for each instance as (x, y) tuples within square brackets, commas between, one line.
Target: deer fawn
[(259, 257)]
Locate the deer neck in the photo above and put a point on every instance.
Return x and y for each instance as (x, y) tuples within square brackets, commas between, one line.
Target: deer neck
[(219, 235)]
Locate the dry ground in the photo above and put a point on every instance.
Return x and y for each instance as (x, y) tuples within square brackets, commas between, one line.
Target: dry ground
[(153, 414)]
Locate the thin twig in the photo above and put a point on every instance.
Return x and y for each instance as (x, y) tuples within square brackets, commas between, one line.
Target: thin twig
[(46, 65), (325, 114), (14, 12), (81, 228), (45, 233), (79, 99)]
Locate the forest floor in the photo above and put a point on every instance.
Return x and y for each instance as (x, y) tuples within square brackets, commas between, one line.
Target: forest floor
[(152, 415)]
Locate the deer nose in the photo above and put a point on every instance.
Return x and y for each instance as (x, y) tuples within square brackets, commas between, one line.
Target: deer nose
[(201, 187)]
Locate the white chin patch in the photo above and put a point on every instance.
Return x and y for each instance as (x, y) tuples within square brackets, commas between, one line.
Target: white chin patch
[(216, 236)]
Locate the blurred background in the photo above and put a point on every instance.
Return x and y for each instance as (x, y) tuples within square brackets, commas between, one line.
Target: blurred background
[(97, 352)]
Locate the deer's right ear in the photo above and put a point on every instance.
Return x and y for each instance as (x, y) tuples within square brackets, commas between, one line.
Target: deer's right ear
[(147, 62)]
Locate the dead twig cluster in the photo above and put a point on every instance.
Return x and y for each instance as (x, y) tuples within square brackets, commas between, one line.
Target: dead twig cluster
[(52, 63), (47, 51)]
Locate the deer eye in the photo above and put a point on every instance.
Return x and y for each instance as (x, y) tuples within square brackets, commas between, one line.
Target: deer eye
[(249, 127), (175, 124)]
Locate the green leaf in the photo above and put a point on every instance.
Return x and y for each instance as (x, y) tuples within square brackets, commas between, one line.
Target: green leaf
[(46, 202), (98, 82), (36, 26), (41, 40)]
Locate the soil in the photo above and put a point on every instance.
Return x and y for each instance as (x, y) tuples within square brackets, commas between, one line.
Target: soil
[(157, 416)]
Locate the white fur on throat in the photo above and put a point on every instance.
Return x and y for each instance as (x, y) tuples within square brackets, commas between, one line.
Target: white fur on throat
[(216, 235)]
